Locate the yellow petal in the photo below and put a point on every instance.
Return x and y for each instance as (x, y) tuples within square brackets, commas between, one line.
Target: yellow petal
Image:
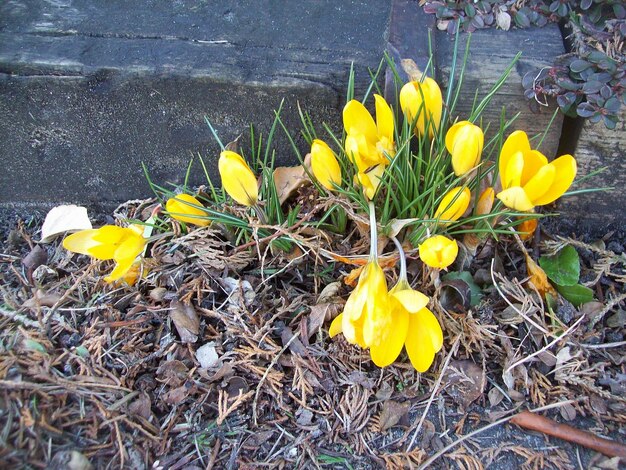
[(424, 338), (438, 251), (516, 142), (186, 208), (515, 198), (370, 180), (512, 174), (324, 165), (335, 326), (565, 168), (533, 162), (384, 120), (410, 299), (453, 204), (121, 269), (111, 234), (129, 249), (358, 120), (540, 183), (237, 178), (83, 241), (390, 337)]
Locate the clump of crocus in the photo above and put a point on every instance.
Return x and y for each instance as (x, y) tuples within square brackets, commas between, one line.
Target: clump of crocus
[(110, 242), (237, 178), (324, 165), (386, 321), (186, 208), (438, 251), (464, 141), (527, 179), (453, 205), (422, 102)]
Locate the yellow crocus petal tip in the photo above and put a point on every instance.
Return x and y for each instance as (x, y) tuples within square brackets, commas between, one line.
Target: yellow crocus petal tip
[(186, 208), (237, 178)]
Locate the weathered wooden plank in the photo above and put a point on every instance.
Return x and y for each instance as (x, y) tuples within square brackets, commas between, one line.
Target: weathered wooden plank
[(599, 147)]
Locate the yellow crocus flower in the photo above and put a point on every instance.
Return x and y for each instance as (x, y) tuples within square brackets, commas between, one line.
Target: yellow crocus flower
[(438, 251), (237, 178), (527, 179), (186, 208), (464, 142), (324, 165), (123, 245), (422, 100), (453, 205), (367, 142)]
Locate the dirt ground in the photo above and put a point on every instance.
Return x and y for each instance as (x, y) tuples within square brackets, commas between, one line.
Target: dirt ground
[(220, 358)]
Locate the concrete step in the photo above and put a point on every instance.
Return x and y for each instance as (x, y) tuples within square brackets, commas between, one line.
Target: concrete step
[(90, 89)]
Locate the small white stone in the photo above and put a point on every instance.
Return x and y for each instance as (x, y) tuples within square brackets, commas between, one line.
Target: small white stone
[(207, 355)]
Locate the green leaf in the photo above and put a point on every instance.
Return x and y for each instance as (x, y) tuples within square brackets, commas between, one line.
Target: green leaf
[(563, 268), (576, 294)]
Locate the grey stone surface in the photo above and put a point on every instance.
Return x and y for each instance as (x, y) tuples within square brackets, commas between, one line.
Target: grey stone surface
[(90, 89)]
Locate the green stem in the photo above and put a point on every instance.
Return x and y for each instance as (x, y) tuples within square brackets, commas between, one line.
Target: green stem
[(373, 233)]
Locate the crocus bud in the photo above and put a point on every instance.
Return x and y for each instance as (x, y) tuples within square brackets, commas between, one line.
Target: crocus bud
[(424, 101), (464, 141), (324, 165), (186, 208), (453, 204), (237, 178), (438, 251)]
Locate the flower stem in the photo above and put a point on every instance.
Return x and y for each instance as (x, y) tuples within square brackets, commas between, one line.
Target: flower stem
[(402, 276), (373, 233)]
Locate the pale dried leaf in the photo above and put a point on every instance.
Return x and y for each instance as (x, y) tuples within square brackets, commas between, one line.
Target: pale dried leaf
[(61, 219), (288, 179), (503, 20), (411, 69), (495, 396), (185, 320), (396, 226), (329, 292)]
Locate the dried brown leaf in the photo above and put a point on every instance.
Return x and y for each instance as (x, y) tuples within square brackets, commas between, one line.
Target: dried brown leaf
[(186, 321), (42, 298), (391, 414), (172, 373), (466, 382), (288, 179)]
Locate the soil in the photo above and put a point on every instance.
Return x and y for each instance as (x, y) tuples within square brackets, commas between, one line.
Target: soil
[(105, 376)]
